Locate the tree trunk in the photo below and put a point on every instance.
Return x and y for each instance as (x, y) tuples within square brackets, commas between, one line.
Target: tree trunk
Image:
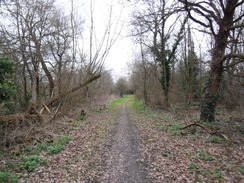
[(145, 97), (165, 79), (34, 96), (211, 94), (216, 68), (44, 66)]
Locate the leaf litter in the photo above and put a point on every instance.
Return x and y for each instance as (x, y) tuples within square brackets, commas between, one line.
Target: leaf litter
[(159, 151)]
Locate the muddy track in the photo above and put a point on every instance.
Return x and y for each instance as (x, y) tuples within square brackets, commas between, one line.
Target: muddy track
[(123, 165)]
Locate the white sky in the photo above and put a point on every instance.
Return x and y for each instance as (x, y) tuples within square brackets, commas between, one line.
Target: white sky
[(122, 51)]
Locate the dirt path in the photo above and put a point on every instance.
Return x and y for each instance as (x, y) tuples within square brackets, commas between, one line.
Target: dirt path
[(123, 164)]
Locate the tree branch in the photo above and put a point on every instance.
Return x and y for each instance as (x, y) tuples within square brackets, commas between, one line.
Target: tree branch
[(186, 3), (240, 56), (81, 85), (236, 26)]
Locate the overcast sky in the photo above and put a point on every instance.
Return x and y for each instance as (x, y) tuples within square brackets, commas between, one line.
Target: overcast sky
[(122, 51)]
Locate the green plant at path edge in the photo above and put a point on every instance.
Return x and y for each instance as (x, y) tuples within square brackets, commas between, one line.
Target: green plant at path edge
[(30, 163), (6, 177)]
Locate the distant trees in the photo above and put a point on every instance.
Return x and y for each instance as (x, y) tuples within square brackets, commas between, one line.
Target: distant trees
[(121, 86), (189, 69)]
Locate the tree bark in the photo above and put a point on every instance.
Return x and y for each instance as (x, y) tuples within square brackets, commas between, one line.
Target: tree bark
[(44, 66), (216, 67)]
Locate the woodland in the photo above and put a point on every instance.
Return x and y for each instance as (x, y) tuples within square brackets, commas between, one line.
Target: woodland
[(187, 68)]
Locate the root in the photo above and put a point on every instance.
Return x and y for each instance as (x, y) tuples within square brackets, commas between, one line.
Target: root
[(209, 131)]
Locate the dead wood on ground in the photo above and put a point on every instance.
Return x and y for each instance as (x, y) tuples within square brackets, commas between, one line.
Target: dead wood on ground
[(209, 131)]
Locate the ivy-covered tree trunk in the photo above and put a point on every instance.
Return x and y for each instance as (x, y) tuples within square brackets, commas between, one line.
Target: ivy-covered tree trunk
[(217, 65), (165, 79), (213, 83), (219, 17)]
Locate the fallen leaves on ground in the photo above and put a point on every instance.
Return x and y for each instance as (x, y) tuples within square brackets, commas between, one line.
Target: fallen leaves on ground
[(79, 162), (173, 157)]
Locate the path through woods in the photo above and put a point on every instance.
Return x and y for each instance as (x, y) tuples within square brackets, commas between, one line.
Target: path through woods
[(129, 143), (123, 163), (105, 149)]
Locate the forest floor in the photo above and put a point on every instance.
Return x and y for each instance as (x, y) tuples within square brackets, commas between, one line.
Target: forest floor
[(127, 142)]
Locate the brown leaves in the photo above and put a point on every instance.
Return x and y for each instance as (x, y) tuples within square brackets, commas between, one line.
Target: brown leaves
[(172, 157), (79, 162)]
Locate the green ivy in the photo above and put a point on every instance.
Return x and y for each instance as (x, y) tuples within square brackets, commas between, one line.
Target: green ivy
[(8, 89)]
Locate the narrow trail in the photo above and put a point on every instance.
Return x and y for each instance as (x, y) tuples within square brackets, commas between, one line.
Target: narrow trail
[(123, 158)]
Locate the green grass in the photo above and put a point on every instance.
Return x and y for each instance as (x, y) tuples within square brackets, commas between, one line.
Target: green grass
[(193, 166), (218, 173), (57, 146), (162, 127), (55, 149), (32, 160), (175, 129), (214, 139), (7, 177), (82, 117), (204, 155), (117, 101), (30, 163), (241, 169), (64, 140)]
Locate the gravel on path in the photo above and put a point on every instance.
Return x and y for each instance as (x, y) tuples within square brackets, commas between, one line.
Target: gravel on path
[(123, 164)]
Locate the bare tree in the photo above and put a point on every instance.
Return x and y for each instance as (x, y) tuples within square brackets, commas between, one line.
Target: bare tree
[(156, 24), (121, 86), (219, 17)]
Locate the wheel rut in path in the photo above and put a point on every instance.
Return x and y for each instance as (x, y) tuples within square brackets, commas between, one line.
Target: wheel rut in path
[(123, 157)]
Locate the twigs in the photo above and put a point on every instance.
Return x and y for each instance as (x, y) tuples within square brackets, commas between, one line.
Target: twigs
[(47, 108), (209, 131), (56, 112), (195, 124)]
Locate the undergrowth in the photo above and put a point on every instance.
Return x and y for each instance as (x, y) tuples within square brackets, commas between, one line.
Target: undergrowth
[(30, 163), (31, 158), (50, 148), (7, 177)]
